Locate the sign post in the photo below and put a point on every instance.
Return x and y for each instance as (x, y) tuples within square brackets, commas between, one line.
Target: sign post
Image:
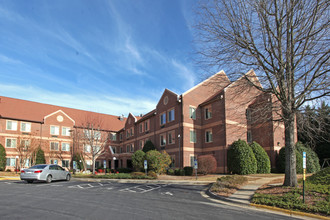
[(105, 166), (145, 166), (195, 167), (304, 177)]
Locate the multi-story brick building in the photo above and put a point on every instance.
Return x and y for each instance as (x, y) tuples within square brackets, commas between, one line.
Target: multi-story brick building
[(206, 119)]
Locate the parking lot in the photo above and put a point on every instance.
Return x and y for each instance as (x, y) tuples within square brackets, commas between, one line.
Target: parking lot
[(113, 200)]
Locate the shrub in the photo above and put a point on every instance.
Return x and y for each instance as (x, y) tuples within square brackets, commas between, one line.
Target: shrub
[(138, 174), (148, 146), (263, 161), (179, 172), (138, 160), (240, 159), (158, 162), (188, 171), (206, 164), (124, 170), (322, 177), (2, 158), (152, 174), (77, 157), (170, 171), (8, 170), (312, 160), (280, 163), (40, 156)]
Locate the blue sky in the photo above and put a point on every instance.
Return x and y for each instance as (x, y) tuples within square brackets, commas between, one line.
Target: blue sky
[(111, 57)]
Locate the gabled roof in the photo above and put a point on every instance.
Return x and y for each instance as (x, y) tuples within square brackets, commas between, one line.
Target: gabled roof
[(148, 115), (207, 80), (213, 98), (250, 74), (33, 111)]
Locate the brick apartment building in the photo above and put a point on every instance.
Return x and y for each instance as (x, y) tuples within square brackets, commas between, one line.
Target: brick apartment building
[(206, 119)]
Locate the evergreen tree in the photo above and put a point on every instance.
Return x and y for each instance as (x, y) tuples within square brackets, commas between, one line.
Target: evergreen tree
[(2, 158)]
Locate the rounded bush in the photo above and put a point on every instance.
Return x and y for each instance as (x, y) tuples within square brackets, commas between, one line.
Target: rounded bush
[(158, 162), (148, 146), (138, 160), (263, 161), (206, 164), (312, 160), (240, 159), (2, 158), (280, 163)]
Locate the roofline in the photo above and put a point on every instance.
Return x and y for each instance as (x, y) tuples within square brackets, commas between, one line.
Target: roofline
[(80, 127), (19, 119), (243, 76), (208, 79), (62, 112)]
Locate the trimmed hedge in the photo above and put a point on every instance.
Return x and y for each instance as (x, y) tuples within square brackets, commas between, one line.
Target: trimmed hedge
[(312, 160), (188, 171), (2, 158), (280, 163), (263, 161), (240, 159)]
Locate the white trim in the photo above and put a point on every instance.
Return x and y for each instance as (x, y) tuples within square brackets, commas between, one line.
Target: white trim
[(208, 79), (249, 72), (26, 123), (62, 113)]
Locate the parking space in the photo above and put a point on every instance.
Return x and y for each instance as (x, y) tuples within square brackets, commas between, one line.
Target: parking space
[(90, 186)]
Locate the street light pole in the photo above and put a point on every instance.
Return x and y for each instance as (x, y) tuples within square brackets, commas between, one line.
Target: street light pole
[(73, 135), (16, 164), (179, 136)]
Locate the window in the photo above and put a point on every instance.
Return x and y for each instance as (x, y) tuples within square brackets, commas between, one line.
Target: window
[(66, 131), (54, 146), (192, 112), (10, 162), (127, 133), (141, 144), (132, 131), (208, 136), (53, 161), (141, 127), (162, 140), (25, 144), (113, 136), (127, 148), (65, 147), (11, 142), (87, 148), (171, 115), (121, 150), (249, 137), (88, 164), (54, 130), (121, 136), (132, 147), (192, 161), (65, 163), (171, 137), (208, 113), (248, 114), (172, 161), (11, 125), (162, 118), (192, 136), (25, 127), (96, 149), (146, 125), (97, 135)]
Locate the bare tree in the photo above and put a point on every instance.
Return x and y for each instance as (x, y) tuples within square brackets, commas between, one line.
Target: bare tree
[(26, 146), (94, 139), (286, 42)]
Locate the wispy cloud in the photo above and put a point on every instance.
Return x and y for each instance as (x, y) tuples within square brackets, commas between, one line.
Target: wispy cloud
[(185, 74), (108, 104)]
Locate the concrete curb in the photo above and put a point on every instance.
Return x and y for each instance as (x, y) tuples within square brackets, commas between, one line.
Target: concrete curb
[(9, 178), (145, 181), (290, 212)]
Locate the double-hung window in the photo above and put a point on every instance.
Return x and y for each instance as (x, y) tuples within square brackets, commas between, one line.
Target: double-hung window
[(192, 136), (171, 115), (192, 112), (54, 130), (25, 126), (208, 136), (66, 131), (163, 119), (10, 162), (208, 113), (11, 142), (65, 147), (11, 125), (54, 146), (162, 140)]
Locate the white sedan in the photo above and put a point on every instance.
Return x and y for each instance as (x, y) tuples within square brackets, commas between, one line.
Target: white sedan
[(45, 172)]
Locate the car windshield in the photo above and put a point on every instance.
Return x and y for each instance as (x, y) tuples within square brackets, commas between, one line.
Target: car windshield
[(38, 167)]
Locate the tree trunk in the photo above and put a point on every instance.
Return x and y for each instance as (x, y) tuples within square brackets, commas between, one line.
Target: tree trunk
[(93, 161), (290, 153)]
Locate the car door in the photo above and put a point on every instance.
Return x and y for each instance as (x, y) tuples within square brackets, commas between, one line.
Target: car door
[(61, 173), (53, 171)]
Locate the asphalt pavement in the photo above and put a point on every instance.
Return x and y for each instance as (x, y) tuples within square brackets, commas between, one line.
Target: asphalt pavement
[(115, 200)]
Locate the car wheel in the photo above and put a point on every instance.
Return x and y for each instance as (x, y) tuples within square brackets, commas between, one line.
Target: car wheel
[(68, 177), (29, 181), (49, 179)]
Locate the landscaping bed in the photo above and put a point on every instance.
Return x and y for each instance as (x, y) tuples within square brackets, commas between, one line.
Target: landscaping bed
[(135, 175), (227, 185), (317, 194)]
